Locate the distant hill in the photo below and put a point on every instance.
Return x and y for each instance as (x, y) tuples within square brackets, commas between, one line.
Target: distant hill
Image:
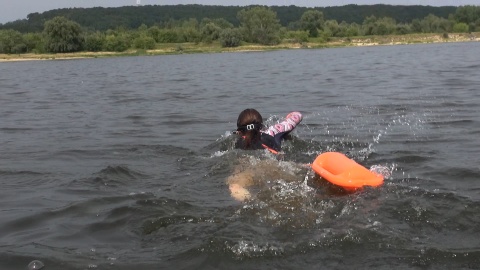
[(132, 17)]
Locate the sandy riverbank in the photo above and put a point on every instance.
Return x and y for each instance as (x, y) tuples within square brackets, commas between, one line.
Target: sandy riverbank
[(216, 48)]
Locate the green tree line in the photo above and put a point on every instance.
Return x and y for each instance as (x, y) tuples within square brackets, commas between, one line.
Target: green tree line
[(131, 17), (254, 24)]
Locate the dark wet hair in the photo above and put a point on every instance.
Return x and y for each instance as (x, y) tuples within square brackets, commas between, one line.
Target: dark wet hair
[(249, 124)]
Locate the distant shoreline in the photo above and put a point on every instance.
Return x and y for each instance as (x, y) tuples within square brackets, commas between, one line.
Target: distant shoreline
[(190, 48)]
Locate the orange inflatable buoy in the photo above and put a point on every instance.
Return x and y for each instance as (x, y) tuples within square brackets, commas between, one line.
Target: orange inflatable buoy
[(342, 171)]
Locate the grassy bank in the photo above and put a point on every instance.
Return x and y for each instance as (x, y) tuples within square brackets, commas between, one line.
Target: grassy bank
[(184, 48)]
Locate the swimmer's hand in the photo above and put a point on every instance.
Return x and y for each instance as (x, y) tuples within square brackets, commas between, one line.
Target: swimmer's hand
[(237, 184), (239, 193)]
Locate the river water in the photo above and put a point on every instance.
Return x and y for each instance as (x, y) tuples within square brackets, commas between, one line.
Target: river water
[(121, 163)]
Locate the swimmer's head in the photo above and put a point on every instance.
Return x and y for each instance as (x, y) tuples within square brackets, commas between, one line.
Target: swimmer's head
[(249, 124), (249, 119)]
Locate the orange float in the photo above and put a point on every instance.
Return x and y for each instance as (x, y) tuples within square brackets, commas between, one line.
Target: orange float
[(342, 171)]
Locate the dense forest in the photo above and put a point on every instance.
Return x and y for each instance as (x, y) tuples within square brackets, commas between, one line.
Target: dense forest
[(131, 17), (147, 27)]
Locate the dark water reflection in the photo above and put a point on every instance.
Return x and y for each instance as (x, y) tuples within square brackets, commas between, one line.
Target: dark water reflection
[(121, 163)]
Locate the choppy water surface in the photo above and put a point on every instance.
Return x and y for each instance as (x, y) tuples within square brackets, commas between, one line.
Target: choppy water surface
[(121, 163)]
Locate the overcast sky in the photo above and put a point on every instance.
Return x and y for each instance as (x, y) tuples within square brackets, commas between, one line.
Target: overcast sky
[(11, 10)]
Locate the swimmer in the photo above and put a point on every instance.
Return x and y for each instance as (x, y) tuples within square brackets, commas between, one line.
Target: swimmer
[(253, 136)]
